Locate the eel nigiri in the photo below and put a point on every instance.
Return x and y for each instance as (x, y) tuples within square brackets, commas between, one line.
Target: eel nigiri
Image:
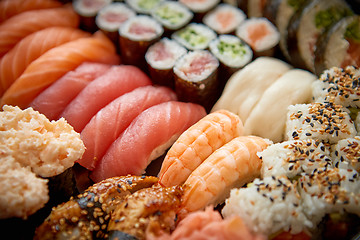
[(54, 99), (148, 136), (233, 165), (197, 143), (14, 62), (19, 26), (9, 8), (115, 117), (119, 79), (55, 63)]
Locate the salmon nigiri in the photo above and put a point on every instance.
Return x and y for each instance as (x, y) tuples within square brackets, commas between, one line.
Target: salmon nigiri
[(9, 8), (53, 100), (14, 62), (115, 117), (117, 81), (147, 138), (233, 165), (55, 63), (19, 26), (197, 143)]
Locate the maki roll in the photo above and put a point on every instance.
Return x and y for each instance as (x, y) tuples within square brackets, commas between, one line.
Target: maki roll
[(161, 58), (339, 46), (268, 206), (196, 78), (232, 53), (340, 86), (328, 191), (136, 35), (346, 153), (195, 36), (111, 17), (294, 157), (200, 7), (87, 10), (260, 34), (172, 15), (326, 122), (279, 12), (308, 24), (224, 19), (143, 6)]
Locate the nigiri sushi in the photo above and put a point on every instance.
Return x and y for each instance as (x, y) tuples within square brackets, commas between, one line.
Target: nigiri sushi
[(56, 63), (246, 86), (53, 100), (231, 166), (108, 123), (19, 26), (149, 135), (119, 79), (9, 8), (268, 117), (196, 144), (14, 62)]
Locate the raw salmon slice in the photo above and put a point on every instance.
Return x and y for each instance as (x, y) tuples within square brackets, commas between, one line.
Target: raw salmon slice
[(117, 81), (148, 136), (14, 62), (55, 63), (106, 126), (54, 99), (9, 8), (19, 26)]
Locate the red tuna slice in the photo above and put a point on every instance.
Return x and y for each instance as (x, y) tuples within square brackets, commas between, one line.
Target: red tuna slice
[(107, 125), (53, 100), (118, 80), (147, 137)]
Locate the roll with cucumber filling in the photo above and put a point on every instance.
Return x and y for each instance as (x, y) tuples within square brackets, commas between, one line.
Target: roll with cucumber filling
[(172, 15), (194, 36), (143, 6)]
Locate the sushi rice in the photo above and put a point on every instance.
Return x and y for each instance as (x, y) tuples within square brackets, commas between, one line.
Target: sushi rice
[(194, 36), (346, 153), (268, 206), (293, 157), (231, 51), (143, 6), (325, 122)]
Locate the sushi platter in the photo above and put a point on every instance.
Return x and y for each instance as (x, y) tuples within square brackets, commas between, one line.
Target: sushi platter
[(188, 119)]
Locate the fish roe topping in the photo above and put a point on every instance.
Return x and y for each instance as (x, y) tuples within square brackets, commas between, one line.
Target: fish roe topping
[(327, 122), (293, 157), (346, 153), (340, 86), (330, 190)]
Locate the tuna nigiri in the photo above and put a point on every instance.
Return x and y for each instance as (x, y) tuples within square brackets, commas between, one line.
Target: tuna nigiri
[(56, 62), (54, 99), (233, 165), (97, 94), (14, 62), (106, 126), (197, 143), (19, 26), (9, 8), (147, 137)]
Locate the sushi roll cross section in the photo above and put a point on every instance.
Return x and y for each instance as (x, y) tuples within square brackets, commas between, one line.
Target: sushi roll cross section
[(143, 6)]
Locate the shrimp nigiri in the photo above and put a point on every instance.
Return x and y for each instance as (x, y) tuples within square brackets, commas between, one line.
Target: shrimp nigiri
[(233, 165), (197, 143)]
